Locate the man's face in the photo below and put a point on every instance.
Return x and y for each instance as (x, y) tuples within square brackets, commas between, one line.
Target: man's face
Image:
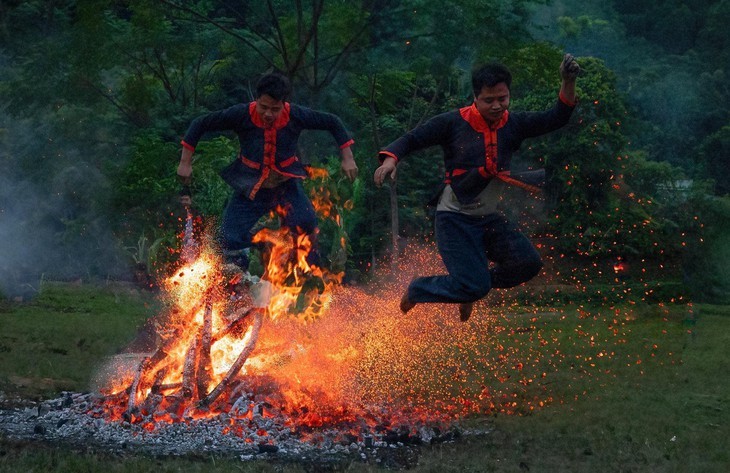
[(269, 108), (492, 102)]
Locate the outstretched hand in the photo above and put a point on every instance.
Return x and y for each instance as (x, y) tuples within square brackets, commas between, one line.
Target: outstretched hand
[(569, 68), (388, 168)]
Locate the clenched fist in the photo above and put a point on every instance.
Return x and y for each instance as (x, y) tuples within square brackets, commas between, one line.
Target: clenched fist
[(569, 68)]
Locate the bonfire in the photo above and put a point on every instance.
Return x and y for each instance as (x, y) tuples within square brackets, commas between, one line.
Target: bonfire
[(287, 358), (206, 340)]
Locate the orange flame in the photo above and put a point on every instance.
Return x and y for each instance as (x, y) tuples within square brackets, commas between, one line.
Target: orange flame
[(289, 272), (205, 333)]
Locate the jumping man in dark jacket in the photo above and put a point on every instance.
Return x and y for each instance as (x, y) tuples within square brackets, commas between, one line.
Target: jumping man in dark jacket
[(267, 173), (478, 142)]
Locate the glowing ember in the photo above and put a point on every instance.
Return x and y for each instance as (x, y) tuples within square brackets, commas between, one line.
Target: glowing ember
[(326, 355), (208, 336), (361, 366), (204, 344)]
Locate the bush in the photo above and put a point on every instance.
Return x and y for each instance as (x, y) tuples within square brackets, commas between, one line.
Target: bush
[(707, 247)]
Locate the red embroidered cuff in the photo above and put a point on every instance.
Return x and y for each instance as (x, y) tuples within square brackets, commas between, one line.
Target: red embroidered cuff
[(383, 154), (347, 144), (566, 101), (187, 145)]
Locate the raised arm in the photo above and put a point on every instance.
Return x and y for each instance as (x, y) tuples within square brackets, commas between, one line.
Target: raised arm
[(538, 123)]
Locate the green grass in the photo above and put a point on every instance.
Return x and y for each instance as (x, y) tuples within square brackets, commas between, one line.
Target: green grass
[(54, 342), (668, 414), (656, 403)]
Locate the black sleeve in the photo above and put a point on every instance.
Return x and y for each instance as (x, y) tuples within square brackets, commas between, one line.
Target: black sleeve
[(434, 132), (316, 120), (538, 123), (221, 120)]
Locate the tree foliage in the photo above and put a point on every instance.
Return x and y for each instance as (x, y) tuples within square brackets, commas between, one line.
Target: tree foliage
[(96, 94)]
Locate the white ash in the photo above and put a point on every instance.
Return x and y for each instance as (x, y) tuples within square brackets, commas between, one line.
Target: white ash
[(76, 419)]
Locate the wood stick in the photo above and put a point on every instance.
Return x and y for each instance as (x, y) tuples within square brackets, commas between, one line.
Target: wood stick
[(168, 387), (204, 363), (132, 401), (232, 327), (159, 378), (150, 363), (144, 365), (188, 382), (242, 357)]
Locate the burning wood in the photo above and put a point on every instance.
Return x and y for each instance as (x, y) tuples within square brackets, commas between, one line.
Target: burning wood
[(155, 374), (238, 364), (209, 336), (217, 361)]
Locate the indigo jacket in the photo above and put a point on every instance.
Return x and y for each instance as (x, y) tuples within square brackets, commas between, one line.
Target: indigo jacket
[(264, 149), (474, 152)]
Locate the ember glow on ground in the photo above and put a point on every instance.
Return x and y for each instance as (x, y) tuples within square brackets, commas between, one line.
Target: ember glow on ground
[(349, 358), (361, 363)]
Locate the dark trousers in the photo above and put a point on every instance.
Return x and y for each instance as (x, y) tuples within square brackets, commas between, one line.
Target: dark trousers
[(241, 214), (467, 244)]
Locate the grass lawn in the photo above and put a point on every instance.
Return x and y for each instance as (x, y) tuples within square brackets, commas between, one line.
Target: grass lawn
[(54, 343), (648, 392)]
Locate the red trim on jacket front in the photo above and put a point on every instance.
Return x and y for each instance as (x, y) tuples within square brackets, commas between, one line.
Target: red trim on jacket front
[(453, 173), (287, 162), (477, 122), (504, 176), (280, 122), (269, 159), (250, 163)]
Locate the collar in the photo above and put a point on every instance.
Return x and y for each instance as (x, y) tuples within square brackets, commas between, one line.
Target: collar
[(476, 120), (280, 122)]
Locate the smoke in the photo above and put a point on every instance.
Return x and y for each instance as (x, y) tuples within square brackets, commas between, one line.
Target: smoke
[(50, 224)]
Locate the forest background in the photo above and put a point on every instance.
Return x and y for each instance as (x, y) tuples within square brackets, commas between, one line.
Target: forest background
[(95, 96)]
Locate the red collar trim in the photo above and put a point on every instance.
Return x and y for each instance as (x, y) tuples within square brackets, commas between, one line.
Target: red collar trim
[(281, 120), (476, 120)]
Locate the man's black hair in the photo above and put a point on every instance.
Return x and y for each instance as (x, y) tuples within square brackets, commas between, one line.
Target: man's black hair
[(275, 85), (489, 76)]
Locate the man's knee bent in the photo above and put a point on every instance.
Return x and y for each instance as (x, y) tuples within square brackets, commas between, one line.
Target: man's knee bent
[(526, 269), (519, 272)]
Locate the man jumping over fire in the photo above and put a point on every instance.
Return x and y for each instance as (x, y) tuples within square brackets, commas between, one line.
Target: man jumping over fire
[(478, 142), (266, 175)]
